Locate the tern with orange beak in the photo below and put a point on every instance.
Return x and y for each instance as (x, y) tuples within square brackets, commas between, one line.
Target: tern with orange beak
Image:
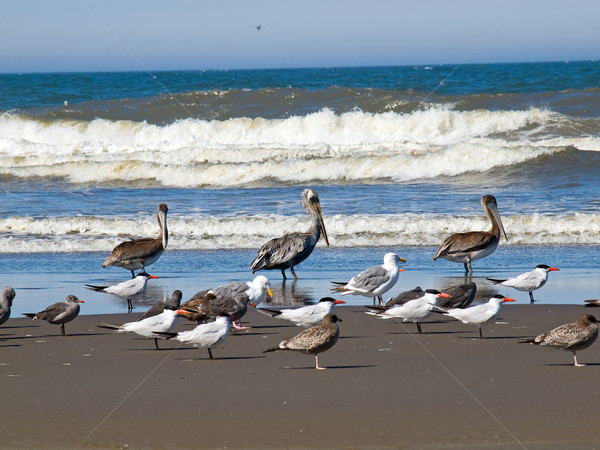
[(293, 248), (127, 289), (528, 281), (306, 315)]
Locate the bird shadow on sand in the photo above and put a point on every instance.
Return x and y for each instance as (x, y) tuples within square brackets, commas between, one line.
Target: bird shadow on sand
[(569, 364), (219, 358), (9, 345), (366, 366)]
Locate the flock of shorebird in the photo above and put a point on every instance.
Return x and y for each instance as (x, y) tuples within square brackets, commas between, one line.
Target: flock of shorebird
[(220, 309)]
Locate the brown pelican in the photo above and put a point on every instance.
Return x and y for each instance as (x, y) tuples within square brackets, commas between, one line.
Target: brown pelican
[(293, 248), (140, 253), (313, 341), (59, 313), (571, 336), (467, 247)]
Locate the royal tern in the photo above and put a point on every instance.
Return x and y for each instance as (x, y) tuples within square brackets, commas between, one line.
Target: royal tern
[(415, 311), (528, 281), (473, 245), (140, 253), (478, 314), (306, 315), (571, 336), (127, 289), (374, 281), (59, 313), (204, 335), (314, 340), (293, 248)]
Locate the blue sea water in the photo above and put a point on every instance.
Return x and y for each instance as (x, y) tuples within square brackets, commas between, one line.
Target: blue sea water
[(400, 157)]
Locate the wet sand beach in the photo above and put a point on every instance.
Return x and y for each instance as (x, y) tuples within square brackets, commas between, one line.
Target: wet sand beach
[(385, 387)]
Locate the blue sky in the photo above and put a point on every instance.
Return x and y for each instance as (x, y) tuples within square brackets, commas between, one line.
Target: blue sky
[(106, 35)]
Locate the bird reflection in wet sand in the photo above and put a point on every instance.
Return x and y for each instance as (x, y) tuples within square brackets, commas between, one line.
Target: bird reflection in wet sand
[(290, 250)]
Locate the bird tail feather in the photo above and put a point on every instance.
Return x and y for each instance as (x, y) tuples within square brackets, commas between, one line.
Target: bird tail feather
[(269, 312)]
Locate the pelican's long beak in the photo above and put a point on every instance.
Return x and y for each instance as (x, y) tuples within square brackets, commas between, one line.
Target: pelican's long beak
[(494, 210), (316, 206)]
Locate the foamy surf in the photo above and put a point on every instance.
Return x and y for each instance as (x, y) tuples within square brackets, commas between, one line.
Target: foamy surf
[(75, 234), (323, 147)]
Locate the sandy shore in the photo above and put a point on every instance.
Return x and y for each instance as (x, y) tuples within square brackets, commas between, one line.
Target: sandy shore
[(386, 387)]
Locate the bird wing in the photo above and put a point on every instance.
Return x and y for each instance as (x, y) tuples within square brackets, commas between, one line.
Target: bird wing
[(230, 290), (463, 243), (567, 336), (369, 279), (279, 251), (311, 339)]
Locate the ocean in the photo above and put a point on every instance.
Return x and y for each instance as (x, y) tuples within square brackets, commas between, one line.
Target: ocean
[(400, 157)]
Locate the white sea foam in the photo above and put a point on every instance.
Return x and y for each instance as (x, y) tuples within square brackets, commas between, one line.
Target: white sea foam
[(319, 147), (25, 234)]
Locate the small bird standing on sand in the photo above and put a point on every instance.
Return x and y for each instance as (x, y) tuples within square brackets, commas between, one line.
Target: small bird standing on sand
[(6, 298), (571, 336), (59, 313), (204, 335), (314, 340), (478, 314), (173, 303), (306, 315), (163, 322), (374, 281), (140, 253), (415, 311), (127, 289), (528, 281)]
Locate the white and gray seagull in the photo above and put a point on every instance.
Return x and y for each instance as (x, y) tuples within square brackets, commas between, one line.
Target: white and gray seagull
[(374, 281), (290, 250)]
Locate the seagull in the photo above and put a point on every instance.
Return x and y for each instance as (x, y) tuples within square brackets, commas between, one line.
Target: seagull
[(256, 290), (306, 315), (478, 314), (212, 306), (571, 336), (173, 303), (126, 289), (374, 281), (139, 253), (163, 322), (415, 311), (6, 298), (528, 281), (59, 313), (461, 296), (314, 340), (473, 245), (204, 335), (293, 248)]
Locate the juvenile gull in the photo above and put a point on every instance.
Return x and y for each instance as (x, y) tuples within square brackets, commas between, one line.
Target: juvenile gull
[(571, 336), (305, 315), (528, 281), (314, 340), (478, 314), (473, 245), (293, 248), (140, 253), (127, 289), (374, 281), (6, 299), (59, 313), (204, 335)]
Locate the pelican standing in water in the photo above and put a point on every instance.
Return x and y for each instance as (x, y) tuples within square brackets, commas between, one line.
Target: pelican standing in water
[(140, 253), (293, 248), (472, 245)]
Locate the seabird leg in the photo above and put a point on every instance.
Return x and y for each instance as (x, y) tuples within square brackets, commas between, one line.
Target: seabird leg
[(210, 353), (480, 333), (317, 363), (283, 273), (468, 268), (575, 361), (132, 274), (62, 329), (156, 343), (531, 297), (293, 273), (239, 326), (129, 305), (419, 327)]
